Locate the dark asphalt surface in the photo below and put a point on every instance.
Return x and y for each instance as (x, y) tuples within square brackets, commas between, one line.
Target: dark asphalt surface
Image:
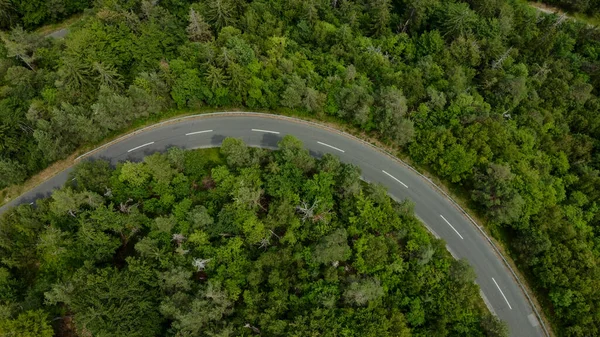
[(440, 215)]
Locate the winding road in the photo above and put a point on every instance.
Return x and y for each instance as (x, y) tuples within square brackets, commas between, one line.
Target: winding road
[(499, 288)]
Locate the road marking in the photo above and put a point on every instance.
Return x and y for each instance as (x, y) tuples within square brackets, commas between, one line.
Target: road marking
[(333, 147), (502, 293), (452, 227), (141, 146), (391, 176), (267, 131), (197, 132)]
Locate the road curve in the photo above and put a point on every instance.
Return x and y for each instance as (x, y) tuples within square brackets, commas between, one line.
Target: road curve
[(464, 240)]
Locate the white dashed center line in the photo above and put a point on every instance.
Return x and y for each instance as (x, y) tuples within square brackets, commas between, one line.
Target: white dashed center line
[(396, 179), (141, 146), (452, 227), (333, 147), (197, 132), (267, 131), (502, 293)]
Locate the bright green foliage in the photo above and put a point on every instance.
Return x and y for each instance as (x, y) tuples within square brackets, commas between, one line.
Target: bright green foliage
[(269, 247), (27, 324)]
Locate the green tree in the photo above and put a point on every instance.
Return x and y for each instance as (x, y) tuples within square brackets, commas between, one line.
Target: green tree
[(67, 201), (107, 75), (236, 152), (92, 175), (21, 45), (128, 305), (135, 174), (390, 116), (6, 13), (188, 88), (220, 13), (381, 16), (494, 327), (332, 248), (215, 78), (494, 190), (32, 323), (459, 19), (292, 151), (198, 30), (355, 102), (11, 172), (74, 74), (363, 291)]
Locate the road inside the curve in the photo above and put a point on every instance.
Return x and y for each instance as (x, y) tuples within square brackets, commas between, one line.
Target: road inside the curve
[(463, 239)]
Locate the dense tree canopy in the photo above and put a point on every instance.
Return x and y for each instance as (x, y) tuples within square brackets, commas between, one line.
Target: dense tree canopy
[(33, 13), (182, 245), (492, 96)]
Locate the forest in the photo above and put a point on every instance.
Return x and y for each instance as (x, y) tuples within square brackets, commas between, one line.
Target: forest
[(494, 97), (242, 243)]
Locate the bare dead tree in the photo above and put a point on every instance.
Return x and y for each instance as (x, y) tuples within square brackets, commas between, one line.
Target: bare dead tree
[(307, 211), (178, 238), (560, 20), (200, 264), (405, 25), (124, 207), (108, 192), (273, 233), (542, 72), (253, 328), (265, 242), (501, 59)]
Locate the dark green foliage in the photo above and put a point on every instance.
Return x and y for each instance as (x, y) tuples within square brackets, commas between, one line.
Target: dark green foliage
[(33, 13), (590, 7), (237, 256), (27, 324), (493, 96)]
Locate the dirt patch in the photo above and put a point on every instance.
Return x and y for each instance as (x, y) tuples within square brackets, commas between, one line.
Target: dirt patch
[(546, 8)]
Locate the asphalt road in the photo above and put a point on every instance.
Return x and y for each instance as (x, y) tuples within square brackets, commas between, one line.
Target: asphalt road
[(500, 290)]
